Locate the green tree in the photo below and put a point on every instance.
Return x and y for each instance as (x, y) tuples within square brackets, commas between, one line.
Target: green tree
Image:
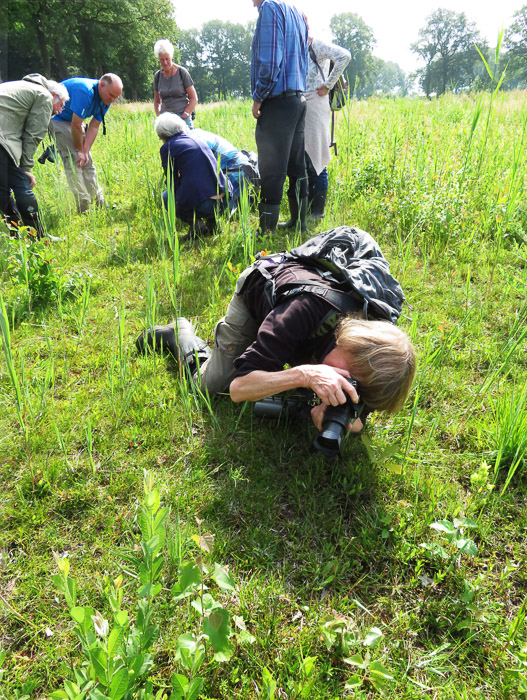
[(516, 43), (192, 57), (227, 52), (447, 45), (351, 32), (87, 37)]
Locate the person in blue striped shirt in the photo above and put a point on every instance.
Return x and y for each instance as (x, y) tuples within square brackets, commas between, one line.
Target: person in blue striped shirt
[(279, 60)]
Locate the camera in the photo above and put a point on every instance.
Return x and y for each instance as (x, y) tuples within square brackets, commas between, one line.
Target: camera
[(334, 425), (50, 154)]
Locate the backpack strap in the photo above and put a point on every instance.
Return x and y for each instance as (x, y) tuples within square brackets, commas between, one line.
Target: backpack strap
[(343, 301), (313, 56)]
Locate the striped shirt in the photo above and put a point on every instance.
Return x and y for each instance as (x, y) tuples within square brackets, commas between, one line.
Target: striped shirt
[(279, 51)]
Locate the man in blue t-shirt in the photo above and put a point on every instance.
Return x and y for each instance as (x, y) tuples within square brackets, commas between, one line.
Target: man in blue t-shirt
[(279, 57), (88, 98)]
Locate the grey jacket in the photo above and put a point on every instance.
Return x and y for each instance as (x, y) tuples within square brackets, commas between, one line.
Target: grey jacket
[(26, 106)]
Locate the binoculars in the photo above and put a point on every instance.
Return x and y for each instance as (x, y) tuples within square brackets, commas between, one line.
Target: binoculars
[(50, 154)]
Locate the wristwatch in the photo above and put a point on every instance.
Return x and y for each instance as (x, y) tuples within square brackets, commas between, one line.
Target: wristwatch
[(186, 115)]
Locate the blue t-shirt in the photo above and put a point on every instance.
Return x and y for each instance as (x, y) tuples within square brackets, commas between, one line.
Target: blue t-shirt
[(84, 100)]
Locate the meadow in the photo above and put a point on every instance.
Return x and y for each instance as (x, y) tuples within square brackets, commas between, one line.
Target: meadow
[(218, 556)]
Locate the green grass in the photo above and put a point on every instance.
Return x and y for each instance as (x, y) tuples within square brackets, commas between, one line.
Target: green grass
[(441, 185)]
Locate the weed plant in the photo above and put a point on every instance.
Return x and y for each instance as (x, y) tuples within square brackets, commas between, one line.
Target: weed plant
[(398, 570)]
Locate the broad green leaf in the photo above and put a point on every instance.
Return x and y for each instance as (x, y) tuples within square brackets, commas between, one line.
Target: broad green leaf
[(217, 627), (58, 695), (435, 549), (194, 689), (99, 660), (96, 694), (466, 546), (355, 660), (376, 668), (149, 590), (121, 618), (308, 666), (81, 614), (179, 684), (394, 467), (115, 639), (373, 637), (464, 522), (119, 684), (152, 500), (269, 684), (245, 637), (207, 606), (354, 683), (223, 578), (189, 580), (444, 526)]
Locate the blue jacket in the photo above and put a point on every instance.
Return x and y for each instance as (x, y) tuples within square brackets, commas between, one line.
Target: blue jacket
[(194, 174)]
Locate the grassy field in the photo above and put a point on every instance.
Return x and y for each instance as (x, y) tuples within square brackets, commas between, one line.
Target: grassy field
[(399, 569)]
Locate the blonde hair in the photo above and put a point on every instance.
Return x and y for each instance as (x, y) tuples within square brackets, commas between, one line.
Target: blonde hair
[(381, 358)]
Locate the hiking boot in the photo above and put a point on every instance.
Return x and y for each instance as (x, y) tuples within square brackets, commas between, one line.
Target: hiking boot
[(193, 351), (318, 204), (160, 338), (269, 214), (298, 214)]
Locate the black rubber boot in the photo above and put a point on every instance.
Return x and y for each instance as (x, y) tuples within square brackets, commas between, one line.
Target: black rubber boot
[(298, 214), (269, 214), (193, 351), (318, 204), (162, 339), (179, 340)]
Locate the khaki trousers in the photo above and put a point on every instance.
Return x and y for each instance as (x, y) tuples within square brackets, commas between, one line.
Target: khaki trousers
[(232, 336), (82, 181)]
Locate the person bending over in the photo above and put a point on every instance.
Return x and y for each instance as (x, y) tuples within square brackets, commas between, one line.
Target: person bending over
[(240, 167), (26, 107), (261, 349), (193, 180)]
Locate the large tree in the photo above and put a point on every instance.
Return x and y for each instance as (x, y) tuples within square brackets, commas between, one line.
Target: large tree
[(218, 58), (447, 45), (87, 37), (351, 32), (516, 43), (226, 50)]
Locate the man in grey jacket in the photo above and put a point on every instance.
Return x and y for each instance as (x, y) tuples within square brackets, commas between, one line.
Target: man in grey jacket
[(26, 107)]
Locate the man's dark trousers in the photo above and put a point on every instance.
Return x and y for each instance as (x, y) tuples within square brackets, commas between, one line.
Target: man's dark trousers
[(12, 177), (280, 141)]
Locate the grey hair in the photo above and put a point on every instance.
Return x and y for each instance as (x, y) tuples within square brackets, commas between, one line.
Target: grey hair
[(58, 89), (168, 125), (163, 46)]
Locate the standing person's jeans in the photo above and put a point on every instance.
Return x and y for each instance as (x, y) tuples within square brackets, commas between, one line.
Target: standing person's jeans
[(280, 140), (22, 204)]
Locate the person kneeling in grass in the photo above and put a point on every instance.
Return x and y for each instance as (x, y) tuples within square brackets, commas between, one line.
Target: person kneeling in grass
[(270, 341), (200, 192)]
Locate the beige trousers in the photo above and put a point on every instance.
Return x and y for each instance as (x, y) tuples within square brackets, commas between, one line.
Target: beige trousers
[(82, 181), (232, 336)]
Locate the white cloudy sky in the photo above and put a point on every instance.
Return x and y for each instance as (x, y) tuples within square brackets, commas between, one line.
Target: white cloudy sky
[(395, 24)]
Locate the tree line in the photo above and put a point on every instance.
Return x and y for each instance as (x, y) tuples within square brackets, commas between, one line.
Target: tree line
[(90, 37)]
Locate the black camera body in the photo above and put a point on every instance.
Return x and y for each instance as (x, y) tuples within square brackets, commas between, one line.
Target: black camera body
[(50, 154), (334, 425)]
